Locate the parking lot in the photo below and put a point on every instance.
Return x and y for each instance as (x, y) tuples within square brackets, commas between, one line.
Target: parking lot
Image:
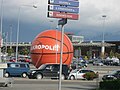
[(102, 70), (48, 84)]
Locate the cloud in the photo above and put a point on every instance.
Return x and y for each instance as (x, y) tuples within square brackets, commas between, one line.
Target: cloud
[(90, 23)]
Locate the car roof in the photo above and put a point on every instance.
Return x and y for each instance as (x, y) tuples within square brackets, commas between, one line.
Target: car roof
[(84, 69), (16, 63), (54, 64)]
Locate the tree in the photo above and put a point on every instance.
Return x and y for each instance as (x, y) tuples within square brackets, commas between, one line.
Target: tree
[(89, 54), (117, 55), (90, 75), (10, 51), (24, 51), (111, 54)]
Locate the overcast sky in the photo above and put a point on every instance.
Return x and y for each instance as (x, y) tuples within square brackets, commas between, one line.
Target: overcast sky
[(35, 20)]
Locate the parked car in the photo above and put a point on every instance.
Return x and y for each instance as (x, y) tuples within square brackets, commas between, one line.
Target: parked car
[(98, 63), (79, 74), (83, 64), (49, 70), (111, 76), (12, 59), (25, 60), (16, 69), (79, 64), (108, 62)]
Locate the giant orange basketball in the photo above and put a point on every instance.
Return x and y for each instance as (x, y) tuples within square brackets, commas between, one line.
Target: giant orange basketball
[(46, 48)]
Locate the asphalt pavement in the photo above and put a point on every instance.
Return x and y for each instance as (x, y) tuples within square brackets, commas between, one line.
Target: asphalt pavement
[(46, 84)]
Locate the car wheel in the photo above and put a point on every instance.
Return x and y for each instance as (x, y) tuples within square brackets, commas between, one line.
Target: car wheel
[(39, 76), (6, 74), (63, 77), (72, 78), (24, 75)]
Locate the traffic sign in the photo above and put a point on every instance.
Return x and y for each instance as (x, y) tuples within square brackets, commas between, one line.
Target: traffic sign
[(73, 0), (63, 9), (64, 2), (63, 15)]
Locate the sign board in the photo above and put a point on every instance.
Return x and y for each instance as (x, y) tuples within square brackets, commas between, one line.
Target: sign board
[(63, 9), (63, 15), (64, 2), (73, 0), (3, 65), (1, 74), (78, 39)]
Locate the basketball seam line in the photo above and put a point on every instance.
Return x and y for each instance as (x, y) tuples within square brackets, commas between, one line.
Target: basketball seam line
[(52, 53)]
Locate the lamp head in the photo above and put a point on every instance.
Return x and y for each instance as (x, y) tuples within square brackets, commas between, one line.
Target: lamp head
[(103, 15), (35, 6)]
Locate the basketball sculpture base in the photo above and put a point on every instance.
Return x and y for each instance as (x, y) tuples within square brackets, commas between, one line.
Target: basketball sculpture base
[(46, 48)]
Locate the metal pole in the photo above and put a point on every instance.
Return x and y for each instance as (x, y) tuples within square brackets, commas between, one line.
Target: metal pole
[(1, 16), (1, 28), (51, 24), (61, 52), (104, 16), (103, 41), (56, 41), (6, 41), (18, 28), (10, 36), (17, 33)]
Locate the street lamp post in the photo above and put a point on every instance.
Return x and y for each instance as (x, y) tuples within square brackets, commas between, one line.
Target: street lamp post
[(1, 17), (10, 36), (18, 28), (51, 24), (104, 16), (6, 40), (103, 37), (1, 28)]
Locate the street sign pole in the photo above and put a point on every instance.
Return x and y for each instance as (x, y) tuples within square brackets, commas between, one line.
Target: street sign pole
[(64, 9), (61, 51), (61, 22)]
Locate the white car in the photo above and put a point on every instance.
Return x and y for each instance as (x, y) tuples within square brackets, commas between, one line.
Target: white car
[(78, 74), (98, 63)]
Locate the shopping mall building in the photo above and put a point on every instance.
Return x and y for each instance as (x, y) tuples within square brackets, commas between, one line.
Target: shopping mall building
[(81, 47), (93, 48)]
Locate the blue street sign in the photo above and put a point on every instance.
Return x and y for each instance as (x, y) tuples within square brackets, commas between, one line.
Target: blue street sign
[(63, 9), (73, 0), (64, 2)]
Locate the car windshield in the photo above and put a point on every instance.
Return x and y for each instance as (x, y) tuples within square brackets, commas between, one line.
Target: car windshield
[(74, 71), (113, 72), (42, 66)]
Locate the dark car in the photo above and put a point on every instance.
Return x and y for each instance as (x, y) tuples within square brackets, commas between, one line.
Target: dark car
[(16, 69), (49, 70), (113, 75), (108, 62)]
